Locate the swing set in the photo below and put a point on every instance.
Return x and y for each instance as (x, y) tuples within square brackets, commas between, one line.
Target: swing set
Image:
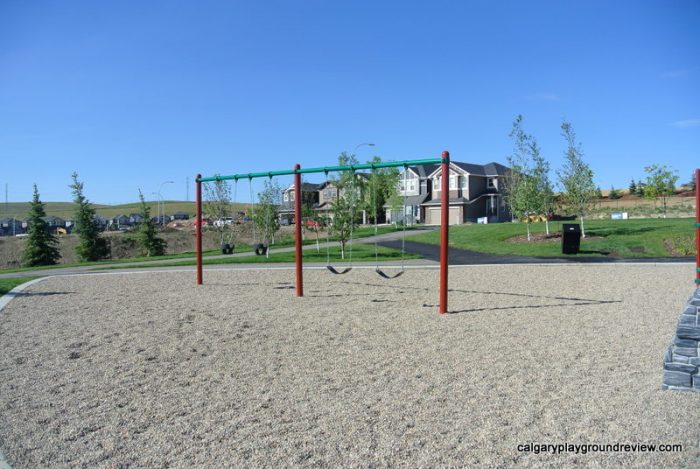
[(444, 161)]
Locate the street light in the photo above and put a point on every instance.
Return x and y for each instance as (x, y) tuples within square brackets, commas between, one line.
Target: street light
[(364, 212), (162, 201), (361, 145)]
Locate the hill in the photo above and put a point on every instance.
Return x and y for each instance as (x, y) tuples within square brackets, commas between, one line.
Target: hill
[(66, 210)]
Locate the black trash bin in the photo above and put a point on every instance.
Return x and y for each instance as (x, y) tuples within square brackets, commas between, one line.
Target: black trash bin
[(570, 238)]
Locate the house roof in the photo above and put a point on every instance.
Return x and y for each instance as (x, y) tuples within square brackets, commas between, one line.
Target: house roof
[(489, 169), (305, 187)]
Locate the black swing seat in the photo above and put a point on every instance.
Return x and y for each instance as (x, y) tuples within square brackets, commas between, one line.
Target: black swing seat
[(260, 249), (344, 271), (389, 277)]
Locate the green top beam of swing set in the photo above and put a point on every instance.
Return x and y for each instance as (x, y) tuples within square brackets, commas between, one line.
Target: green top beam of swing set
[(326, 169)]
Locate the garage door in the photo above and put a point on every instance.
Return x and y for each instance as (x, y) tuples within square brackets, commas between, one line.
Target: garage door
[(433, 217)]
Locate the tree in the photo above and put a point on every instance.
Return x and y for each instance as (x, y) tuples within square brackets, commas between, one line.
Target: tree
[(527, 168), (381, 187), (218, 207), (691, 184), (265, 213), (614, 194), (640, 189), (41, 243), (146, 235), (542, 182), (576, 177), (661, 183), (633, 187), (91, 245), (351, 192)]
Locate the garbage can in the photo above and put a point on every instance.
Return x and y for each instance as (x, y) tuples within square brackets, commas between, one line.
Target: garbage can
[(570, 238)]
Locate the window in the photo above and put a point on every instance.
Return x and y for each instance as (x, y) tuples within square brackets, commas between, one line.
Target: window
[(491, 183), (463, 182), (453, 182), (291, 196), (286, 197), (437, 183)]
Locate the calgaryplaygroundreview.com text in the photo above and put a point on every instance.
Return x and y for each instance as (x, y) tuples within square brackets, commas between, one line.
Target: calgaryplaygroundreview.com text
[(585, 448)]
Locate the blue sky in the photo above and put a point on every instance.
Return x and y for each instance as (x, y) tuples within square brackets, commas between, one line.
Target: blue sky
[(132, 93)]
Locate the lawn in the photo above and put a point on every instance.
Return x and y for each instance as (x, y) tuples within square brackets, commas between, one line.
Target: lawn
[(652, 237), (360, 253), (211, 252), (7, 284), (283, 241)]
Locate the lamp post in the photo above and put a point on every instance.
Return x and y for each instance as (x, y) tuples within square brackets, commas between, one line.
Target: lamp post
[(158, 199), (364, 212), (162, 201)]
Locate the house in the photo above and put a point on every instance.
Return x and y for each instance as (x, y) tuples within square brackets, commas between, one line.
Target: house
[(475, 191), (101, 221), (55, 223), (120, 222), (11, 227), (414, 188), (328, 192), (135, 218), (309, 199)]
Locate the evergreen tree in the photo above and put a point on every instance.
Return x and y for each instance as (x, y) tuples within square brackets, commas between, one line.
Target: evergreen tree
[(92, 246), (692, 183), (41, 243), (146, 234), (633, 187), (614, 193)]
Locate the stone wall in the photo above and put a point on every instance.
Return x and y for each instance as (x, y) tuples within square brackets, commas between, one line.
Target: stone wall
[(682, 359)]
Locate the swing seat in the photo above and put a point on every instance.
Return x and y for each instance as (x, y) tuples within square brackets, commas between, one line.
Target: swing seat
[(344, 271), (260, 249), (387, 276)]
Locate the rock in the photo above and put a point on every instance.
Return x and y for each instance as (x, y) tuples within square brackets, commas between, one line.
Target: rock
[(682, 358), (677, 379), (688, 332)]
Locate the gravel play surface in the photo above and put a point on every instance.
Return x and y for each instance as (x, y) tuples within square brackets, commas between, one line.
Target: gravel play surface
[(148, 370)]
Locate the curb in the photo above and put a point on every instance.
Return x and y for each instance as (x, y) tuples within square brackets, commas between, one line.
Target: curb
[(9, 296), (4, 301)]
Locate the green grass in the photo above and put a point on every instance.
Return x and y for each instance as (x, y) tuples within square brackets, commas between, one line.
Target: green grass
[(360, 253), (211, 252), (621, 238), (285, 241), (7, 284)]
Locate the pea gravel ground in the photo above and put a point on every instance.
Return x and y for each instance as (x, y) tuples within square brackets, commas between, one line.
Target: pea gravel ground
[(147, 370)]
